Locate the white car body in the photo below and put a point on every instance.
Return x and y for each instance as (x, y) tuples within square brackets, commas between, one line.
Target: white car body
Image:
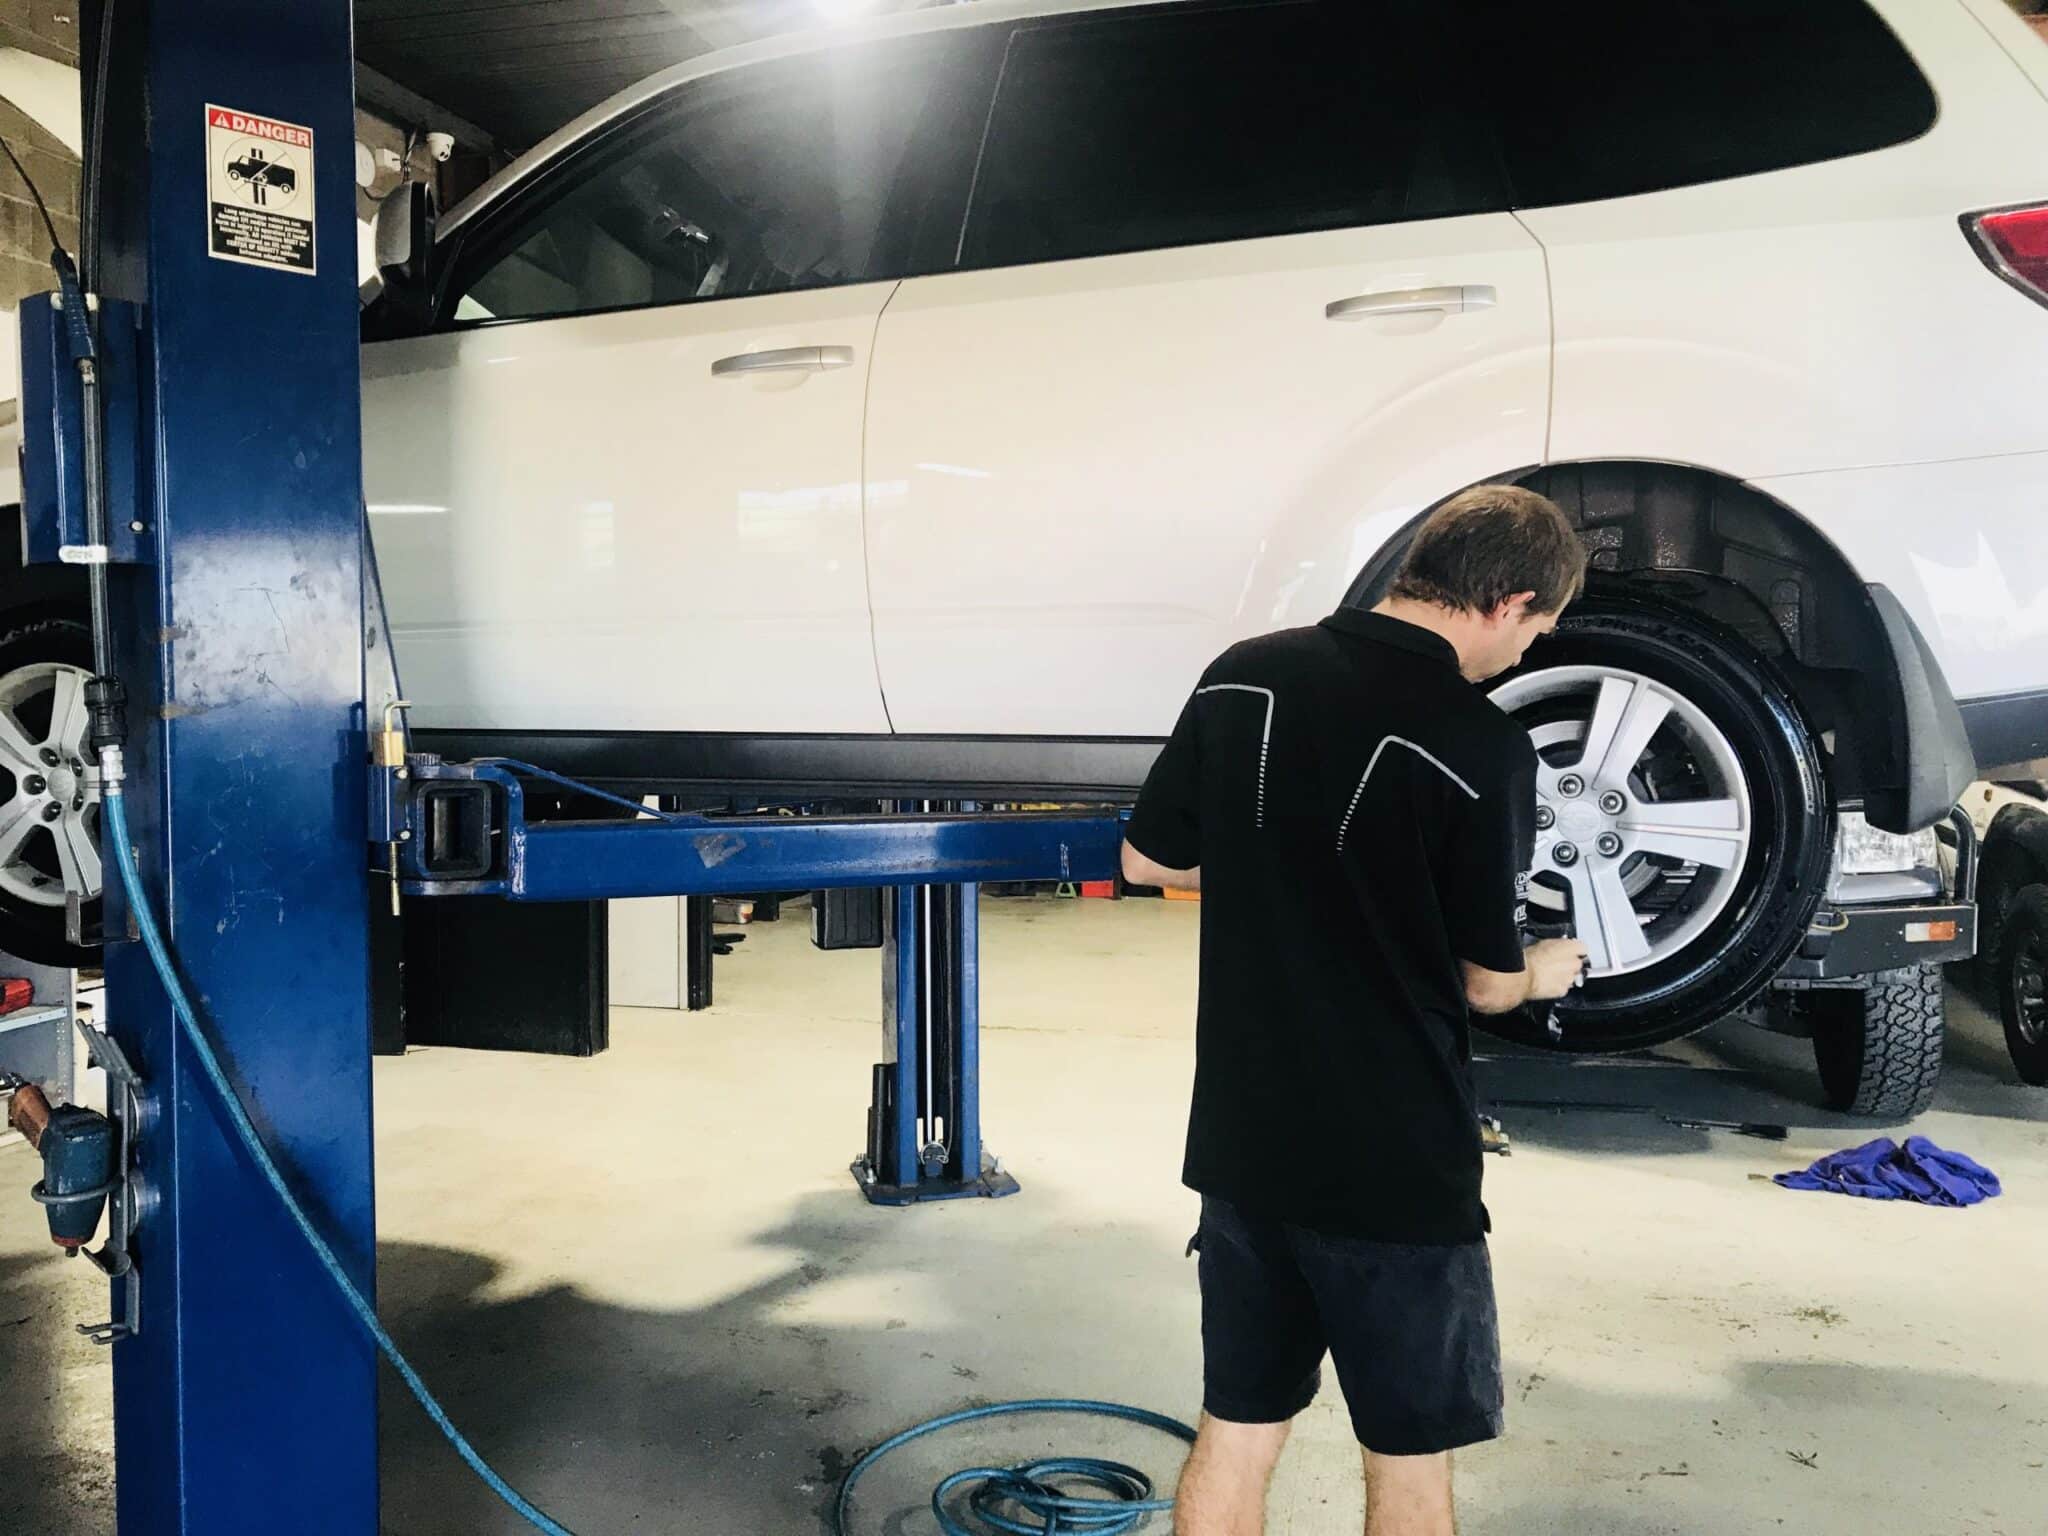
[(1045, 495)]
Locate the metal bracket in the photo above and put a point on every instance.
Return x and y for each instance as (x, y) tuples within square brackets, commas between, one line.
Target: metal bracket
[(52, 414), (115, 1258), (388, 750), (83, 937)]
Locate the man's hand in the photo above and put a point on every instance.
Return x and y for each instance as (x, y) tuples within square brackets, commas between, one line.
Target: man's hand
[(1550, 968), (1554, 966)]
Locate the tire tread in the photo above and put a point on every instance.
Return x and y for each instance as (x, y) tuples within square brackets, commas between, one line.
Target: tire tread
[(1896, 1029)]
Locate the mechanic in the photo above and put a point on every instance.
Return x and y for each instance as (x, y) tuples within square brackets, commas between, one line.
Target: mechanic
[(1358, 818)]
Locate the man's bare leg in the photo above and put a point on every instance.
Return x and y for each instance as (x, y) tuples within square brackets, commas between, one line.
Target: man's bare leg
[(1408, 1495), (1223, 1486)]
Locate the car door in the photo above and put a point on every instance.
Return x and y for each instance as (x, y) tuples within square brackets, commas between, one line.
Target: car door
[(1236, 299), (620, 486)]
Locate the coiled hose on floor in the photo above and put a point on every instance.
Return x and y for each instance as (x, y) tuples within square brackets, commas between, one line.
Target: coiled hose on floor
[(1001, 1496)]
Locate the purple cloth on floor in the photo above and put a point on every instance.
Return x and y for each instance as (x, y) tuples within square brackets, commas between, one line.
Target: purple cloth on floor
[(1883, 1170)]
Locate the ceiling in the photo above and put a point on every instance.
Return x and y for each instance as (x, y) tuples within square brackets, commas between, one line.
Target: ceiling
[(519, 69)]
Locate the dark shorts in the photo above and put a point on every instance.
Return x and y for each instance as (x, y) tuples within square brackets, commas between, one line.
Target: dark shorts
[(1411, 1327)]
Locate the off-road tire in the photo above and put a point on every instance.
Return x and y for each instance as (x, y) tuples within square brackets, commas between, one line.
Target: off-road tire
[(1879, 1047), (2022, 949)]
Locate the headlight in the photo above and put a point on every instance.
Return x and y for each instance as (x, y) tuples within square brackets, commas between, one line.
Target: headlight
[(1861, 849)]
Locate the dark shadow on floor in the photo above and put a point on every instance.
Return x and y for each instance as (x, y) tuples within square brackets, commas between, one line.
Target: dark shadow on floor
[(1731, 1071), (616, 1419), (731, 1418)]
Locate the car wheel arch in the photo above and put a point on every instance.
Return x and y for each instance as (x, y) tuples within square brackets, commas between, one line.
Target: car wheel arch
[(1707, 541)]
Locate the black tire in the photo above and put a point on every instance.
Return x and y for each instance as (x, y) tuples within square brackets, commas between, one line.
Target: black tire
[(1745, 696), (2005, 869), (2019, 966), (31, 930), (1879, 1047)]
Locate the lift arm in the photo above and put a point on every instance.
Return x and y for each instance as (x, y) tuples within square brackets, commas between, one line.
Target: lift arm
[(461, 830)]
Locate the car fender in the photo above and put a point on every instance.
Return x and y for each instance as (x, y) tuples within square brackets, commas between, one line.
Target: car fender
[(1936, 764)]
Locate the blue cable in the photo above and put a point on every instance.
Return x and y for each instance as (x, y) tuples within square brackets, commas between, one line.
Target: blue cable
[(252, 1143), (534, 770), (1001, 1494)]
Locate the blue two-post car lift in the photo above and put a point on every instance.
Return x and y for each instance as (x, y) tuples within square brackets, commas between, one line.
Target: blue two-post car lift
[(460, 829), (219, 402)]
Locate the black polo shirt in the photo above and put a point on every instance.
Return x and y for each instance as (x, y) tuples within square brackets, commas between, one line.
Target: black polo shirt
[(1362, 817)]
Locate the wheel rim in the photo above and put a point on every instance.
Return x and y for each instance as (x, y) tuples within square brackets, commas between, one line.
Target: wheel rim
[(49, 816), (1644, 821), (2030, 990)]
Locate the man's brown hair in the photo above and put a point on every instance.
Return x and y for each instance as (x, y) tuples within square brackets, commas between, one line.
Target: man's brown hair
[(1484, 545)]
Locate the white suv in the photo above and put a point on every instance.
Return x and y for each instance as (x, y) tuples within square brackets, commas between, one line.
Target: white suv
[(917, 408)]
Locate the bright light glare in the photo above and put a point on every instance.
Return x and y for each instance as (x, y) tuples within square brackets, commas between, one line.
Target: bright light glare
[(844, 10)]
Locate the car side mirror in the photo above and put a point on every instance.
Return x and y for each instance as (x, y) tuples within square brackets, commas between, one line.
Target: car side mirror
[(405, 244)]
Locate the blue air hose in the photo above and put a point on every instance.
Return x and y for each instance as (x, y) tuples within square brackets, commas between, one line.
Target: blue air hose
[(1001, 1494), (238, 1120)]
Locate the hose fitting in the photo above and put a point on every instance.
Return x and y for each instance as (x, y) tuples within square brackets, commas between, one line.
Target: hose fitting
[(106, 699)]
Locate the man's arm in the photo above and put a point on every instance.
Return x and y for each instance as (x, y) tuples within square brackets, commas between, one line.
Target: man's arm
[(1167, 818), (1139, 870), (1483, 889), (1550, 968)]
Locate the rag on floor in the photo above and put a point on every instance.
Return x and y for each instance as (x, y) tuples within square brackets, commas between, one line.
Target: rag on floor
[(1884, 1170)]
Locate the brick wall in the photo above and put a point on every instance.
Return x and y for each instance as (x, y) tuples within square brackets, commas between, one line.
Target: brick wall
[(48, 29)]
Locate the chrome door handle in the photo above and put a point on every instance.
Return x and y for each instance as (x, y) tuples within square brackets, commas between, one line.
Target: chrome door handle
[(784, 360), (1453, 300)]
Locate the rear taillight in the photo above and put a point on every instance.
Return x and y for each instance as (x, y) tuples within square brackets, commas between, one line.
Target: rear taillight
[(2014, 244)]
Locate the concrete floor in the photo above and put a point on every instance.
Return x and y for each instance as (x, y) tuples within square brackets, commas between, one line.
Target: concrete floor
[(646, 1287)]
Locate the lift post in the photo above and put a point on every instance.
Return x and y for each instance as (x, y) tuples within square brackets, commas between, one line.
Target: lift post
[(244, 1397), (924, 1113)]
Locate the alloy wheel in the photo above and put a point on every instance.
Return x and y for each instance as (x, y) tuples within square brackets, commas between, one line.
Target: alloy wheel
[(49, 816), (1643, 818)]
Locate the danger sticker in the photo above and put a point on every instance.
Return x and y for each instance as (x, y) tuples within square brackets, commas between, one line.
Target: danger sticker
[(259, 190)]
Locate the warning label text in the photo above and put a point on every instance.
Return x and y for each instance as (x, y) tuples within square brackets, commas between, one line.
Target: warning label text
[(259, 190)]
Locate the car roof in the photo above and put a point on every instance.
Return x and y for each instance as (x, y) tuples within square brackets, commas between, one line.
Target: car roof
[(944, 18)]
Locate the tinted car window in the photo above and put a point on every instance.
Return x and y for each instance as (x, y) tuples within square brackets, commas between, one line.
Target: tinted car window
[(843, 167), (1123, 132), (1606, 98)]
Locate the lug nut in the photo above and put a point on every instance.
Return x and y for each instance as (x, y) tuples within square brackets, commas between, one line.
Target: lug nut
[(1565, 853), (49, 758), (52, 811), (1608, 844), (34, 784), (1546, 818), (1613, 803), (1571, 785)]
